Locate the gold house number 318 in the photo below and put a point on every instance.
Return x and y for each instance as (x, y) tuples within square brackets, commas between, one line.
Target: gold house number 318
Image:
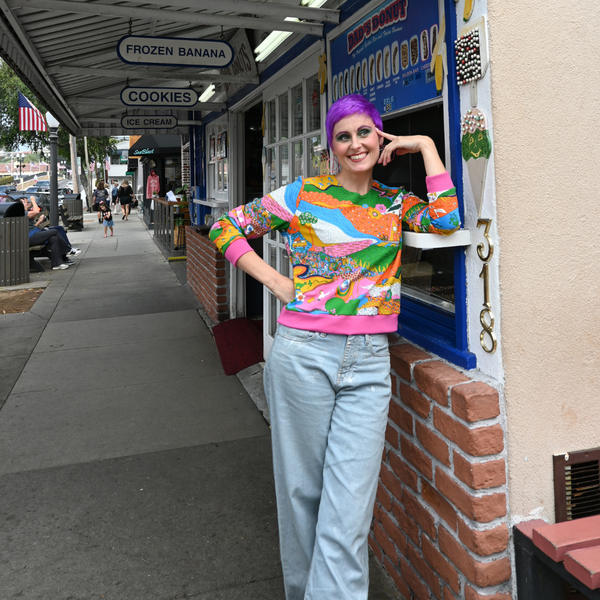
[(487, 337)]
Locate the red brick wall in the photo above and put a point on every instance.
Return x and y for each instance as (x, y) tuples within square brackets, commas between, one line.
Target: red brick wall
[(440, 521), (207, 274)]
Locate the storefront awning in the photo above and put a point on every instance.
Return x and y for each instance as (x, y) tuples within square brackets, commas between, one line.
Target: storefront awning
[(156, 145)]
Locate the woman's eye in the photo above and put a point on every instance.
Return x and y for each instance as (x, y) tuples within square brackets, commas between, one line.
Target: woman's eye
[(343, 137), (364, 132)]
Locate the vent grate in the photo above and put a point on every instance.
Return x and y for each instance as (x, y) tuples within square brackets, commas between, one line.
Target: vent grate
[(577, 485), (582, 490)]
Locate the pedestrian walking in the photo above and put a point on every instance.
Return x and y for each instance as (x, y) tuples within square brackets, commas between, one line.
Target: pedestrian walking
[(100, 193), (115, 199), (125, 195), (107, 218), (327, 376)]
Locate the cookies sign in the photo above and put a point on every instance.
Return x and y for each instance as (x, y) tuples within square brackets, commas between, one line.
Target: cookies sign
[(386, 56)]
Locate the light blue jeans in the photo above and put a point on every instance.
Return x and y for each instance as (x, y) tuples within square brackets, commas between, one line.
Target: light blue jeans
[(328, 396)]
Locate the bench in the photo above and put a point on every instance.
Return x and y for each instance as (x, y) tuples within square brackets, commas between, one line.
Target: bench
[(550, 557), (39, 251)]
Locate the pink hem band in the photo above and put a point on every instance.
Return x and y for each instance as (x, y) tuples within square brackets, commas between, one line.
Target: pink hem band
[(236, 250), (341, 325), (439, 183)]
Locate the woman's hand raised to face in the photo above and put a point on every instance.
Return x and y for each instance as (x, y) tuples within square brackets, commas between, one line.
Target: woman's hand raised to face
[(411, 144)]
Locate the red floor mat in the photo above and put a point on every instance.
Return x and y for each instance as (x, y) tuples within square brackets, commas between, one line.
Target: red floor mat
[(240, 344)]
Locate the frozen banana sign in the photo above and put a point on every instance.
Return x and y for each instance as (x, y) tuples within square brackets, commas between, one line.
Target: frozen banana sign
[(174, 52), (386, 55)]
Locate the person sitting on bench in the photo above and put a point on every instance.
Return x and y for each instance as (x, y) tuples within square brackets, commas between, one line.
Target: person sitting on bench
[(50, 237)]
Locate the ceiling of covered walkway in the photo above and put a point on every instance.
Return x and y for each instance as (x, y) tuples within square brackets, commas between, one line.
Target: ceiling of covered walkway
[(65, 50)]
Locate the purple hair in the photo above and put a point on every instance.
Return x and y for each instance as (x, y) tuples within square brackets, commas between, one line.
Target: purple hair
[(350, 105)]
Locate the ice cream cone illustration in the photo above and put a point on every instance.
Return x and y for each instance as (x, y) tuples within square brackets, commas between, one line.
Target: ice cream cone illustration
[(476, 149)]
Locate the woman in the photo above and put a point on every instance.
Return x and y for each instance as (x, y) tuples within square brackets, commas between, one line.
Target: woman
[(125, 194), (100, 194), (327, 377)]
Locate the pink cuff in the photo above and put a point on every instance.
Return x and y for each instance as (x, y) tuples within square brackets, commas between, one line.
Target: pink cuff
[(236, 250), (439, 183)]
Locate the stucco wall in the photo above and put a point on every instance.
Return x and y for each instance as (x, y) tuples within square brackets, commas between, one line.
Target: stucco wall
[(546, 115)]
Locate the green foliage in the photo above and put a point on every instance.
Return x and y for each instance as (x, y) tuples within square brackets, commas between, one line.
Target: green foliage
[(10, 136), (98, 147), (183, 191), (6, 180)]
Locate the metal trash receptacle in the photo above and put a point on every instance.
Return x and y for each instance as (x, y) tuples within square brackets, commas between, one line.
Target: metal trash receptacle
[(14, 244), (74, 208)]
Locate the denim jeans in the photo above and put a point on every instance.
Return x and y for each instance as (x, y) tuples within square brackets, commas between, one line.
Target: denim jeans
[(328, 397)]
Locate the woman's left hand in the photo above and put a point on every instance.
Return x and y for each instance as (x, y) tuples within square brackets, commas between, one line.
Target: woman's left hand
[(411, 144), (400, 144)]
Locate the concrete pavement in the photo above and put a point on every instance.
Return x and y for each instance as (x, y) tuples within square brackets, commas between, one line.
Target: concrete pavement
[(131, 467)]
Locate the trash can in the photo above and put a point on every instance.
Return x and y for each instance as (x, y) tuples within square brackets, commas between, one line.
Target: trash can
[(73, 210), (14, 244)]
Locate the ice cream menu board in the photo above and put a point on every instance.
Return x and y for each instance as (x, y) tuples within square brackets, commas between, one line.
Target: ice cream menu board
[(386, 56)]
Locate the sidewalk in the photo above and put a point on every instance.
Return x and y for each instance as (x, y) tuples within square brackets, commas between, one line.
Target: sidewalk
[(131, 466)]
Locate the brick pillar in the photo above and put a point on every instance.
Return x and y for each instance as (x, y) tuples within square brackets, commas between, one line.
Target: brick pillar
[(207, 274), (440, 518)]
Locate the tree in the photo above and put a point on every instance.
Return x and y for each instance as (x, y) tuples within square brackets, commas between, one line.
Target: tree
[(10, 136), (98, 147)]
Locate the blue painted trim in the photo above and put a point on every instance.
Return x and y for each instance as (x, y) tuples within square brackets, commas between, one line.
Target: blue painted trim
[(464, 359), (460, 270)]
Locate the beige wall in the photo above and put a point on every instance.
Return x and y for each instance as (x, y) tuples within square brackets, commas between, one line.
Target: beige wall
[(545, 76)]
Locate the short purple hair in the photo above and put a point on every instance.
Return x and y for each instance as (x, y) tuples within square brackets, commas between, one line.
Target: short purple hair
[(350, 105)]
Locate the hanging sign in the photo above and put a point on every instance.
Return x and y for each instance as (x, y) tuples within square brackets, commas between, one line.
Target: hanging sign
[(386, 55), (163, 97), (174, 52), (149, 122)]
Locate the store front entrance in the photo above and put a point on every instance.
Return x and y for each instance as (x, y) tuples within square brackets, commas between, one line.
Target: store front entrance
[(253, 188)]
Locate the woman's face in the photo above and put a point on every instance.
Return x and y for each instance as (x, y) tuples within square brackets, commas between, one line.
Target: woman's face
[(356, 144)]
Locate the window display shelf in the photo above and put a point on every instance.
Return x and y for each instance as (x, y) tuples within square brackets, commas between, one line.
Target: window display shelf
[(428, 241), (212, 202)]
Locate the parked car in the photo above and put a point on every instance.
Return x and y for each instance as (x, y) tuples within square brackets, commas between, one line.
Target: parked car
[(44, 184), (7, 189), (33, 190)]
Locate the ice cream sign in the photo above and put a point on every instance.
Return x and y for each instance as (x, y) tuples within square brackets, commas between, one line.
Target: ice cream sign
[(174, 52), (386, 55)]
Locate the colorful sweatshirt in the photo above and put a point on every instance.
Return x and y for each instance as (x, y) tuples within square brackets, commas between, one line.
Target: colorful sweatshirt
[(344, 247)]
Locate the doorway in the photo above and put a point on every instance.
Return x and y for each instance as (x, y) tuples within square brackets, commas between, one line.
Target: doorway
[(253, 188)]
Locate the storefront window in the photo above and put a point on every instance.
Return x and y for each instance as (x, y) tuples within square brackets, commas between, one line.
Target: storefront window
[(315, 156), (298, 159), (284, 117), (427, 275), (284, 167), (272, 129), (295, 153), (313, 94), (297, 110)]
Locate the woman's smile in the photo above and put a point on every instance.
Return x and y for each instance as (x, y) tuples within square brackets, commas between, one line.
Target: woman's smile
[(356, 145)]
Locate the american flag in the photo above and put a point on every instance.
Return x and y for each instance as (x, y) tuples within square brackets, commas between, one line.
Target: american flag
[(107, 163), (30, 118)]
